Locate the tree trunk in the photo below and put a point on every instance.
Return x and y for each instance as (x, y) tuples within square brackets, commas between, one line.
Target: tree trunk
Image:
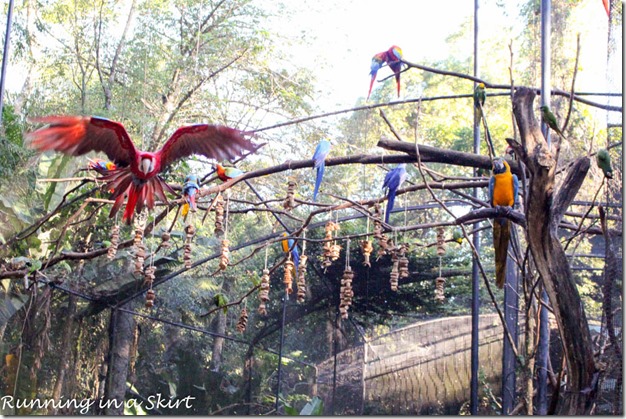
[(66, 351), (219, 326), (121, 333), (544, 210)]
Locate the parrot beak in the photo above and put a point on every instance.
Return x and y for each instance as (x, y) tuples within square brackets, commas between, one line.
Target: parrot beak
[(147, 165), (498, 166)]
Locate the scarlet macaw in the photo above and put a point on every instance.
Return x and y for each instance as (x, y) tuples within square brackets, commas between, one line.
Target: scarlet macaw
[(319, 157), (393, 179), (503, 188), (603, 159), (138, 171), (391, 57), (227, 173), (101, 166), (190, 188), (548, 117), (479, 102), (295, 256)]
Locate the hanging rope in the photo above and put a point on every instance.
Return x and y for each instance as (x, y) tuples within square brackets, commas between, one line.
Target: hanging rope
[(345, 292), (301, 283), (264, 288)]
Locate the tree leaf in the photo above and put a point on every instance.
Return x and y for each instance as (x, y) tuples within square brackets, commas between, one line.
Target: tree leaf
[(313, 408)]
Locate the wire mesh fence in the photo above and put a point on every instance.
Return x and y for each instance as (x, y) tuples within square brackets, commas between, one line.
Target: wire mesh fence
[(417, 370)]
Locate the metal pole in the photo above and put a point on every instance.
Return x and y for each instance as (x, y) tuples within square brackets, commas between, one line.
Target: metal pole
[(543, 351), (476, 242), (541, 364), (280, 350), (5, 56), (511, 305), (546, 7), (335, 330)]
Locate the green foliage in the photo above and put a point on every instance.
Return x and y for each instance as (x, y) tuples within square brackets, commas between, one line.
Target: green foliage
[(314, 407)]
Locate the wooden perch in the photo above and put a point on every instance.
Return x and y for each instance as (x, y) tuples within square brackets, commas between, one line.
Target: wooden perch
[(430, 154), (497, 212)]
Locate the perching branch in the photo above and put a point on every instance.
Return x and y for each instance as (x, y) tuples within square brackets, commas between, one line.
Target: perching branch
[(497, 212)]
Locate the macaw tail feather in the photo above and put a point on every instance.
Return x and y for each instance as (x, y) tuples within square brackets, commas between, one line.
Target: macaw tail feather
[(391, 197), (185, 209), (295, 258), (477, 115), (318, 180), (398, 83), (133, 197), (371, 85), (501, 238)]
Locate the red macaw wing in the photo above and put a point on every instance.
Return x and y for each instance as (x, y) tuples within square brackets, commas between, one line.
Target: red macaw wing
[(213, 141), (77, 135)]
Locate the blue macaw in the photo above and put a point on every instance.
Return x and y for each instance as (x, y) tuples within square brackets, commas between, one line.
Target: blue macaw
[(190, 188), (394, 178), (503, 189), (319, 157), (295, 256)]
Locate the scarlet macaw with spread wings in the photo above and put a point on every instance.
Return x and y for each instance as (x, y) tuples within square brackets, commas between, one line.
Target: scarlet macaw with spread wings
[(137, 173)]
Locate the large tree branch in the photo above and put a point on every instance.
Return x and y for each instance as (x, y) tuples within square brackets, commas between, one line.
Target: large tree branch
[(549, 257), (570, 187)]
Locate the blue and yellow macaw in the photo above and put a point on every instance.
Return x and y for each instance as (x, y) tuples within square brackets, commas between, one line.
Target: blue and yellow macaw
[(227, 173), (391, 57), (190, 188), (295, 256), (394, 178), (319, 157), (503, 188)]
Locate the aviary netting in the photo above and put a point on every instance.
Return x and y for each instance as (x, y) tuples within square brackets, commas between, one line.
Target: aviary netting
[(538, 251)]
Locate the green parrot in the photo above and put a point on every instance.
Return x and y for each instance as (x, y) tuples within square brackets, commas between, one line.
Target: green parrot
[(604, 162), (479, 102), (548, 117), (457, 235)]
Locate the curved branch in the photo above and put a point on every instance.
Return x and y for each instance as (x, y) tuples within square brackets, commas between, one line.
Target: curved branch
[(497, 212)]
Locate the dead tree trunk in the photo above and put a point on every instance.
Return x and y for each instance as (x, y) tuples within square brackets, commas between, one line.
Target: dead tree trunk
[(121, 333), (544, 210), (219, 326), (66, 351)]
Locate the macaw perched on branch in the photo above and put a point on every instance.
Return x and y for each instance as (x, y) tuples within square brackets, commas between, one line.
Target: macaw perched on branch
[(295, 256), (137, 173), (393, 179), (457, 235), (101, 166), (390, 57), (503, 188), (190, 188), (603, 159), (319, 157), (227, 173), (479, 102), (548, 117)]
